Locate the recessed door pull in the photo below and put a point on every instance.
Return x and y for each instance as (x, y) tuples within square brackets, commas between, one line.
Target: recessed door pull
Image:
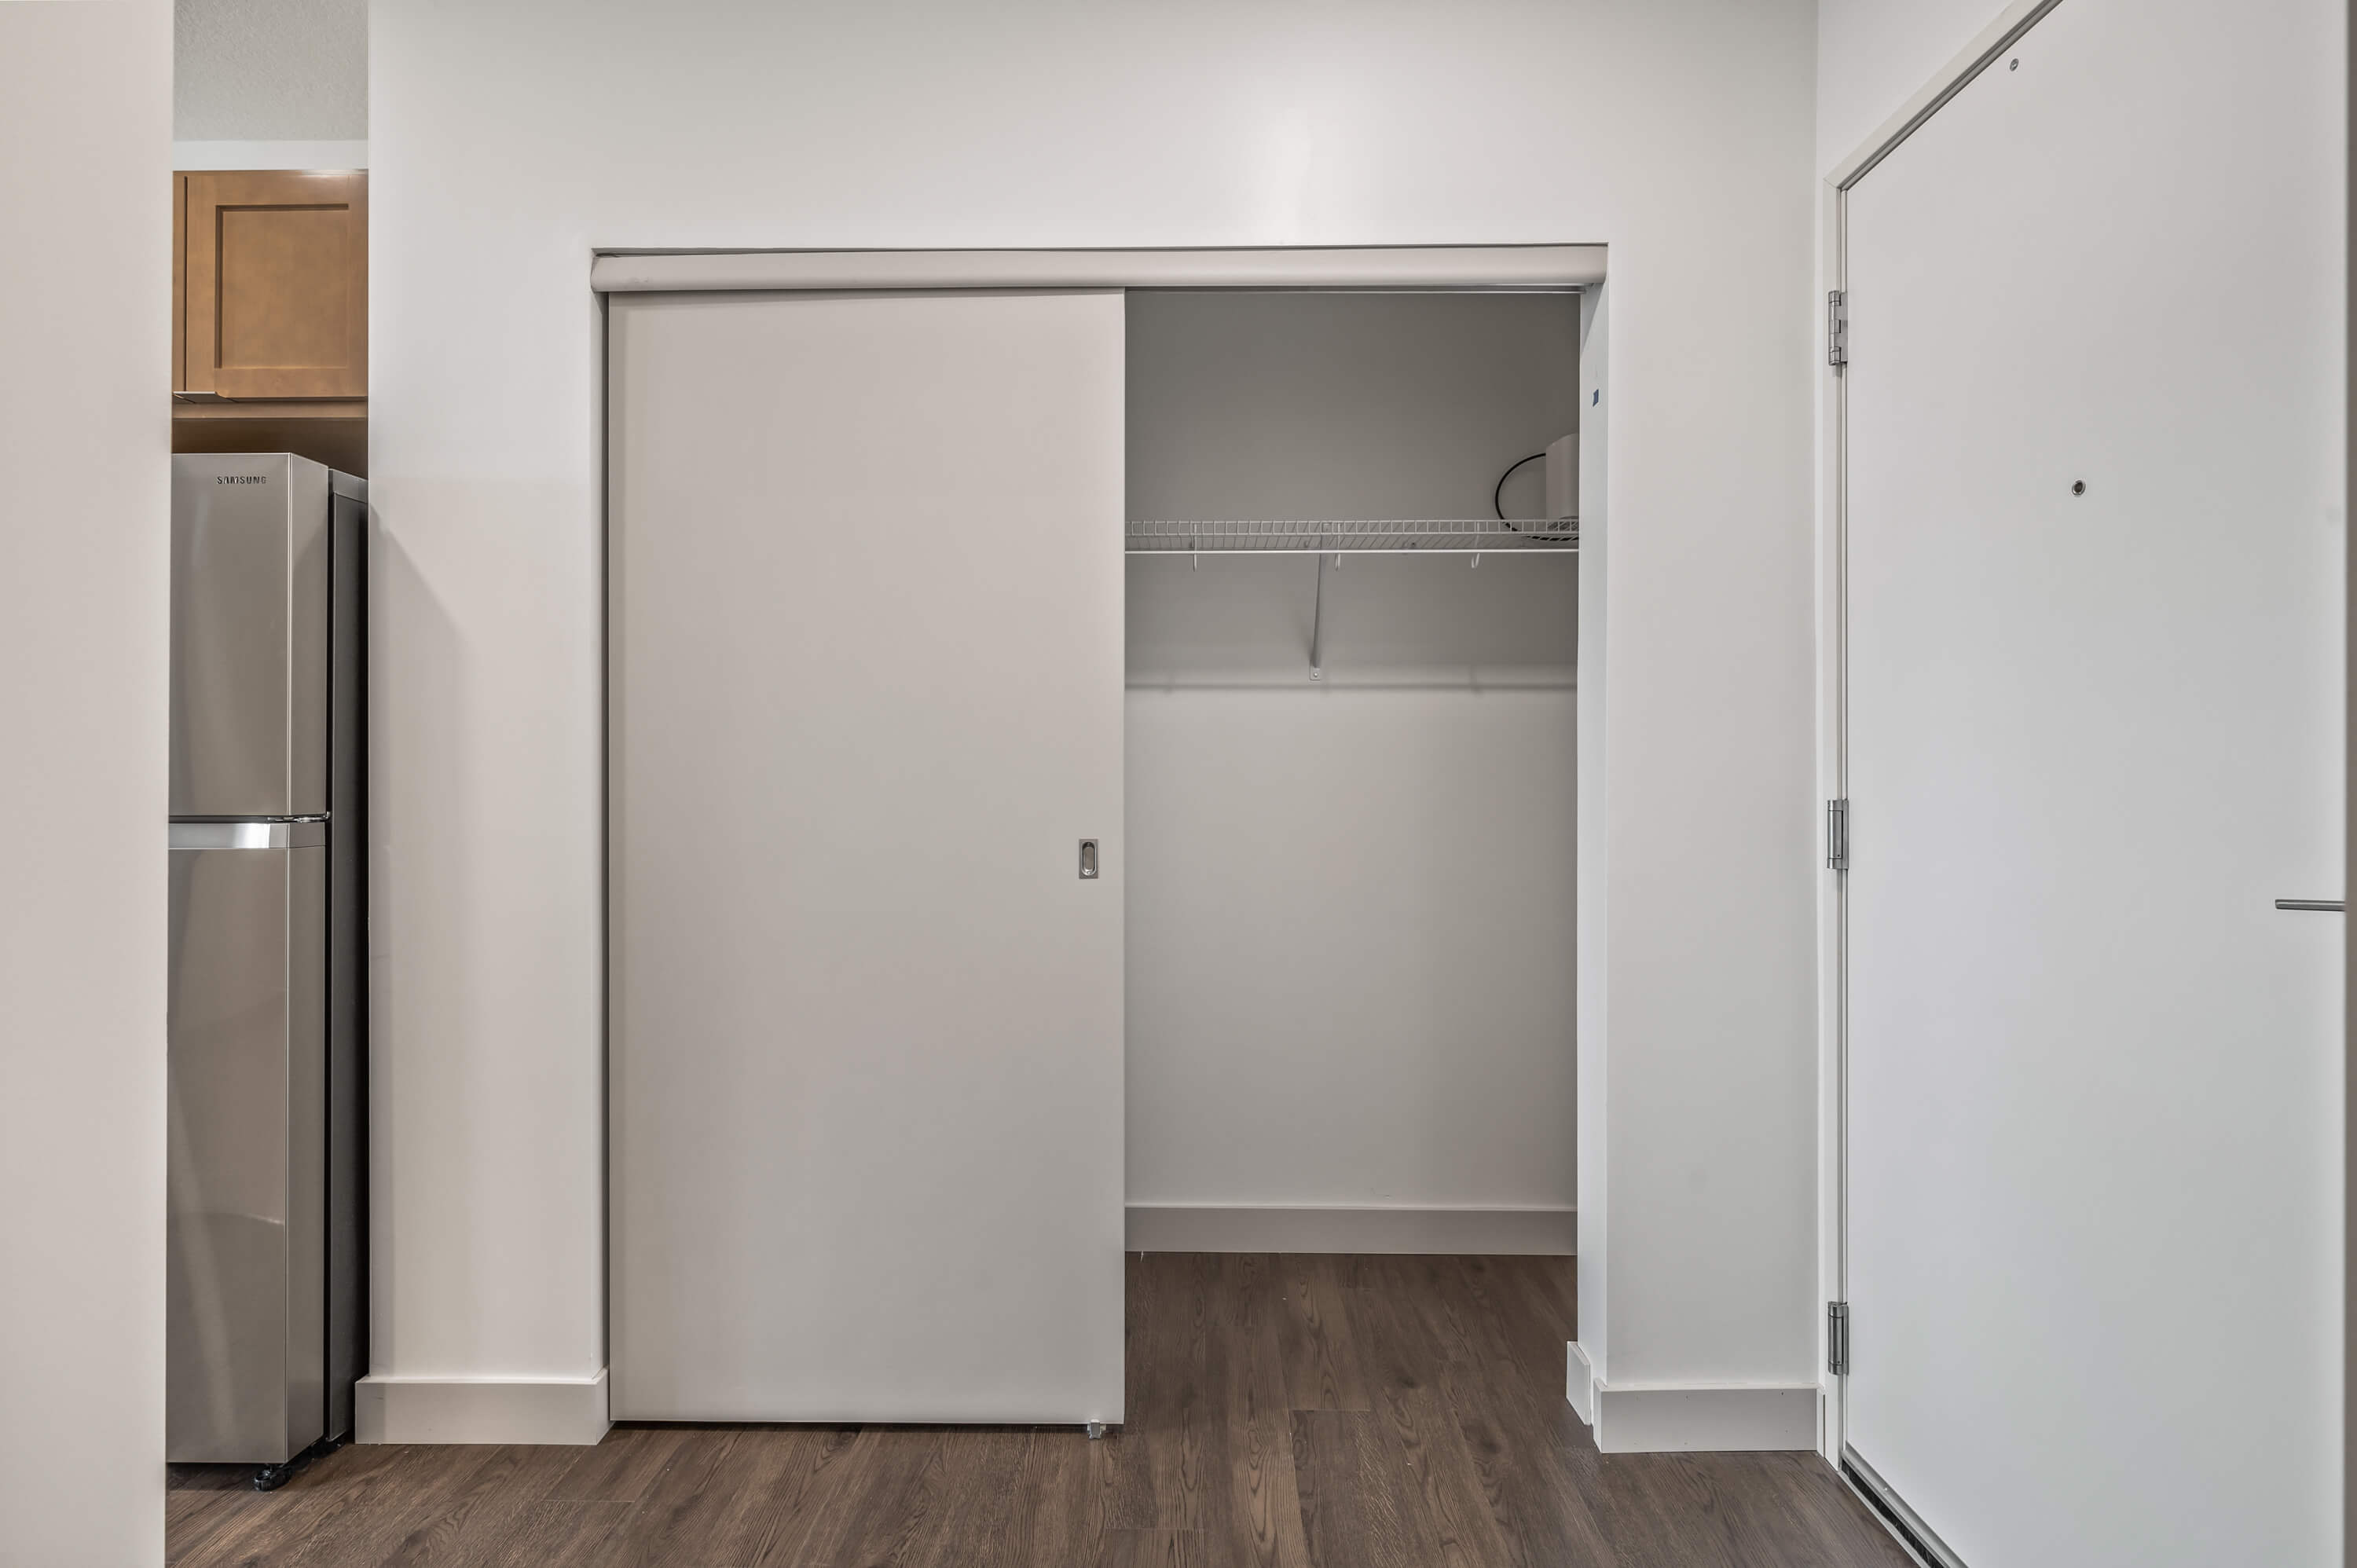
[(2320, 905), (1088, 860)]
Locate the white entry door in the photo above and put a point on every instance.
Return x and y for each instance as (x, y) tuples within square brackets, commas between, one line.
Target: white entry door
[(864, 695), (2093, 727)]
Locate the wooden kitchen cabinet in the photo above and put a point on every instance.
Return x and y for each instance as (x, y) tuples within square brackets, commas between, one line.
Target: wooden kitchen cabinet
[(273, 293), (270, 314)]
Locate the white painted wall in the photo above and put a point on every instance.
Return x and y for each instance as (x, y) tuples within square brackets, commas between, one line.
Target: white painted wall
[(506, 142), (1873, 56), (85, 326), (1350, 901)]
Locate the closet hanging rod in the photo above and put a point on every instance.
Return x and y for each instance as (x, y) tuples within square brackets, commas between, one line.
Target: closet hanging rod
[(1374, 536)]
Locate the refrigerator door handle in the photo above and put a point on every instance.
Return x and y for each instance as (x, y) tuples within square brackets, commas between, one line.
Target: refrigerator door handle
[(299, 833)]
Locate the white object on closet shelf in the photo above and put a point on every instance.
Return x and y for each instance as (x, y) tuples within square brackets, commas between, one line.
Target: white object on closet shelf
[(1563, 476)]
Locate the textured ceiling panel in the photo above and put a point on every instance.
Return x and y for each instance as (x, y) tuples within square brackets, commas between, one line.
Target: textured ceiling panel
[(270, 71)]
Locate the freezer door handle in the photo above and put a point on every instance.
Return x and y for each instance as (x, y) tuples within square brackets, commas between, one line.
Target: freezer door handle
[(300, 832)]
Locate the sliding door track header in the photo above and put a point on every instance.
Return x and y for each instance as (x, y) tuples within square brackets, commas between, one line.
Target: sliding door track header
[(1508, 267)]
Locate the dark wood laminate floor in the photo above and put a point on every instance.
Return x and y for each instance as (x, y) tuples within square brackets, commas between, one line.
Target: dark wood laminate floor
[(1310, 1412)]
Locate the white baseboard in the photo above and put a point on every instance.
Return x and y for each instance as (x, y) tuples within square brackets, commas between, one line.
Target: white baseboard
[(1730, 1419), (1276, 1228), (1579, 1383), (479, 1409)]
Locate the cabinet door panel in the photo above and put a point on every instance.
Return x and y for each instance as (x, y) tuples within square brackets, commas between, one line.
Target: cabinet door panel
[(180, 282), (277, 284)]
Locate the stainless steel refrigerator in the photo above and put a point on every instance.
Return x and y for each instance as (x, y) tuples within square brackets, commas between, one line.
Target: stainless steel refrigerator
[(266, 1297)]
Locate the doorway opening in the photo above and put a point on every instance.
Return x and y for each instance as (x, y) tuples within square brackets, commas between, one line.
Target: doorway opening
[(1351, 770)]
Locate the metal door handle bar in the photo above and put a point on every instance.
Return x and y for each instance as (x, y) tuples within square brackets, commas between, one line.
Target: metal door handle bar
[(298, 832), (2320, 905)]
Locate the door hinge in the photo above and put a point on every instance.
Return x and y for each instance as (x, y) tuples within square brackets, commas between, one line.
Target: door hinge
[(1838, 1337), (1837, 328), (1837, 835)]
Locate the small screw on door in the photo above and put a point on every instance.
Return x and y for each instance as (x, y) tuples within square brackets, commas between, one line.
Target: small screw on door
[(2078, 487), (1088, 860)]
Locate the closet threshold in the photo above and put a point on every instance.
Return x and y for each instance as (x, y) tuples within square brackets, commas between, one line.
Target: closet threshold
[(1376, 536)]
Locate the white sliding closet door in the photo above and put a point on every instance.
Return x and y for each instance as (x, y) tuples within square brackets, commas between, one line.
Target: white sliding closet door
[(2094, 1238), (866, 701)]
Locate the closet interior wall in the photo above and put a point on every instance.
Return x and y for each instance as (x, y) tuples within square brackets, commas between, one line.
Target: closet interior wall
[(1350, 908)]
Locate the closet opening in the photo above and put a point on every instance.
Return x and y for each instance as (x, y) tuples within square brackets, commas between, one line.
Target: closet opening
[(1175, 853), (1351, 770)]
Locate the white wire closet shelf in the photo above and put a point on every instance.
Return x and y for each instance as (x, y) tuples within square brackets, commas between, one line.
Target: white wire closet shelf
[(1400, 536)]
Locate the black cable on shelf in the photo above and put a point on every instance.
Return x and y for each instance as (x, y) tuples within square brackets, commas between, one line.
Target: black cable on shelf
[(1498, 496)]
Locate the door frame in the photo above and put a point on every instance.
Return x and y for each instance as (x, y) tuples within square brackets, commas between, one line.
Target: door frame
[(1833, 647), (1573, 267)]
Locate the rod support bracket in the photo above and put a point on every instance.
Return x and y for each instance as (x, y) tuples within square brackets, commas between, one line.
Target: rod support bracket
[(1318, 625)]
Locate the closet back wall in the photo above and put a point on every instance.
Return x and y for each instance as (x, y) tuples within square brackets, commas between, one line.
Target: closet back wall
[(1350, 902)]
